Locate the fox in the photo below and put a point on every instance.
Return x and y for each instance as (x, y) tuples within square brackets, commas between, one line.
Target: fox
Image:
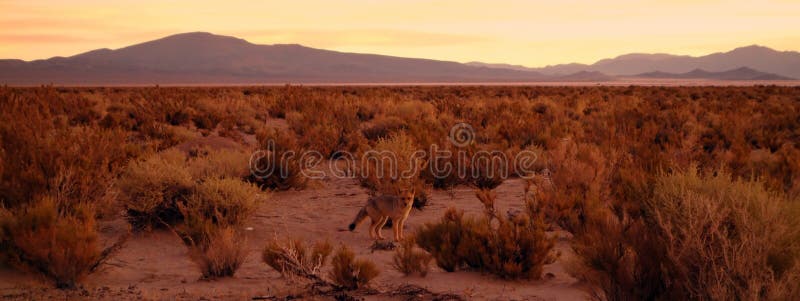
[(381, 208)]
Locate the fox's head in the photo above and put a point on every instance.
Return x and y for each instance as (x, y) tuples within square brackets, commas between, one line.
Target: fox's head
[(407, 196)]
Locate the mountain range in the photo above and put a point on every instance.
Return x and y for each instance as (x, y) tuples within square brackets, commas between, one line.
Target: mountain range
[(779, 63), (204, 58)]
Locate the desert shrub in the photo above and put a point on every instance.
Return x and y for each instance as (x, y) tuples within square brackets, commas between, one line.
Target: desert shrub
[(701, 237), (617, 255), (152, 187), (214, 204), (350, 273), (291, 257), (408, 260), (213, 216), (488, 168), (220, 253), (383, 128), (279, 165), (40, 157), (391, 166), (575, 185), (59, 243), (517, 248), (728, 238), (222, 163), (442, 239)]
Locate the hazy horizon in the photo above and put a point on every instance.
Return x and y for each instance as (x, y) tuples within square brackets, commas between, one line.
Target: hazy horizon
[(512, 32)]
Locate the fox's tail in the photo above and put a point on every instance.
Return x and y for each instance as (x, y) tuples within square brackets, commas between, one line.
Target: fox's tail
[(359, 217)]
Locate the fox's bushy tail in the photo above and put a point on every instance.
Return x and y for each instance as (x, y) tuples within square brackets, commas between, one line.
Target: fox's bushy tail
[(359, 217)]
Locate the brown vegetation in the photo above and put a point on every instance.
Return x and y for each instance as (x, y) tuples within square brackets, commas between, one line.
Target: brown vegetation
[(684, 192), (408, 260)]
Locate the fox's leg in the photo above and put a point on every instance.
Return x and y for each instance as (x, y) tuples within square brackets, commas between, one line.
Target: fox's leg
[(372, 228), (400, 224), (380, 226)]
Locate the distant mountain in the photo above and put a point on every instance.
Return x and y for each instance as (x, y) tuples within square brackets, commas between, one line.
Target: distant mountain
[(585, 76), (742, 73), (501, 66), (783, 63), (202, 58)]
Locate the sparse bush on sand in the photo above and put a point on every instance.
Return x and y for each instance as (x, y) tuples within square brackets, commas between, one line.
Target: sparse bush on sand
[(213, 220), (59, 243), (153, 186), (409, 260), (220, 252), (516, 248), (351, 273), (214, 204), (291, 257)]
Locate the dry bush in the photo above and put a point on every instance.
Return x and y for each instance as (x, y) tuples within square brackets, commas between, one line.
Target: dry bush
[(279, 167), (442, 239), (408, 260), (213, 216), (488, 168), (701, 237), (222, 163), (517, 248), (220, 253), (724, 238), (152, 187), (324, 126), (618, 256), (384, 127), (215, 204), (59, 243), (575, 186), (41, 153), (291, 257), (351, 273), (391, 166)]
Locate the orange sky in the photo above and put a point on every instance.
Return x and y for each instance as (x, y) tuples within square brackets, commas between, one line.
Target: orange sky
[(532, 33)]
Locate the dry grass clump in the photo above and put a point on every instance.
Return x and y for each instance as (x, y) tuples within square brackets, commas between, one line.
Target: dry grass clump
[(517, 248), (277, 165), (350, 273), (408, 260), (292, 257), (703, 237), (153, 186), (220, 253), (59, 243)]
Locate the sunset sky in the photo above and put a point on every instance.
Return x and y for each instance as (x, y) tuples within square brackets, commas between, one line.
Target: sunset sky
[(531, 33)]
